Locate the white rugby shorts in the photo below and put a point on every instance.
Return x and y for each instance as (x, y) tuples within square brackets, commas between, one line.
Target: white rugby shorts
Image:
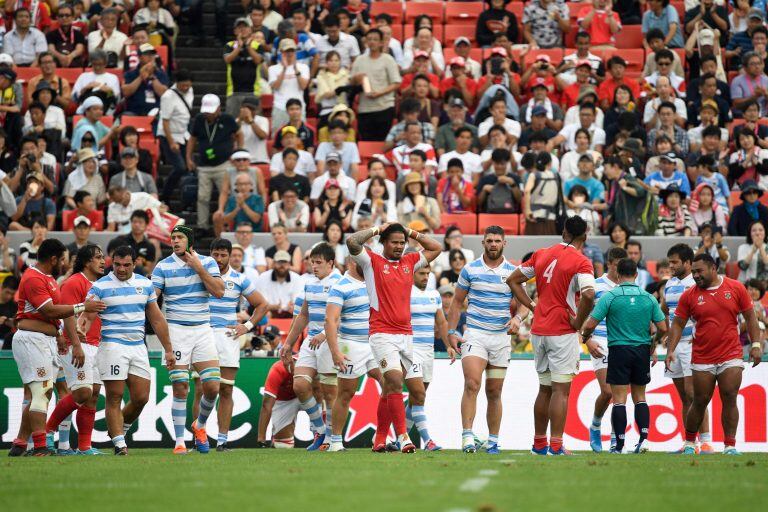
[(717, 369), (681, 366), (423, 362), (89, 373), (392, 351), (283, 414), (360, 359), (192, 344), (227, 347), (556, 354), (116, 361), (34, 356), (493, 347), (600, 363), (319, 359)]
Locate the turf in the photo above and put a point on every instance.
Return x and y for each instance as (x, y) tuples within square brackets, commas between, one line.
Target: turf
[(357, 480)]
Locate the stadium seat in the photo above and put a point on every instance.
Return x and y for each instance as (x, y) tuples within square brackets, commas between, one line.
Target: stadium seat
[(369, 148), (453, 32), (162, 52), (515, 8), (463, 13), (631, 36), (466, 222), (26, 74), (71, 74), (267, 101), (394, 9), (650, 266), (510, 222), (635, 58), (432, 9), (735, 198), (680, 8), (68, 220), (143, 124), (151, 145)]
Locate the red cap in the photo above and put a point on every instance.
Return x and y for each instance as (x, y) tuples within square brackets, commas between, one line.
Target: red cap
[(538, 81), (457, 61), (420, 54), (498, 50), (332, 183), (583, 62), (543, 57)]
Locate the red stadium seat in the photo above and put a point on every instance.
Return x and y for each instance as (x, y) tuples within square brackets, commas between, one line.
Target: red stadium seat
[(267, 101), (432, 9), (463, 13), (143, 124), (635, 59), (107, 120), (70, 74), (26, 74), (510, 222), (650, 266), (68, 220), (680, 8), (466, 222), (394, 9), (735, 198), (369, 148), (515, 8), (453, 32), (162, 52), (631, 36), (151, 145)]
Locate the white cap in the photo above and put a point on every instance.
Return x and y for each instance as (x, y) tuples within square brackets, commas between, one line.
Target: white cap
[(210, 104), (6, 59), (241, 155), (80, 219), (90, 101)]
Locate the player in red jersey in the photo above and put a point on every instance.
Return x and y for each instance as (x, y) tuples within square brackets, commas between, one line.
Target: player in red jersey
[(389, 280), (715, 304), (40, 309), (561, 272), (84, 383), (280, 405)]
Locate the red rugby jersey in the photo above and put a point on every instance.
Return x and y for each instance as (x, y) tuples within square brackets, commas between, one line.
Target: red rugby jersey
[(73, 291), (279, 384), (35, 290)]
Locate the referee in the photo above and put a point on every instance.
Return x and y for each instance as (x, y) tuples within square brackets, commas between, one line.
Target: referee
[(628, 312)]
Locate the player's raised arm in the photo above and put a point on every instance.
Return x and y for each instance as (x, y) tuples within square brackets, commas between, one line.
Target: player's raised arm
[(356, 241), (432, 247)]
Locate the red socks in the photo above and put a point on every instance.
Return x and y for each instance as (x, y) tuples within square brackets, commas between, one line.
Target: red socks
[(729, 441), (383, 421), (555, 443), (690, 436), (64, 408), (397, 412), (540, 442), (85, 419), (39, 439)]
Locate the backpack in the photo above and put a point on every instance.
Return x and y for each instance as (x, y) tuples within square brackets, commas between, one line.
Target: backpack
[(649, 218), (500, 200), (189, 192)]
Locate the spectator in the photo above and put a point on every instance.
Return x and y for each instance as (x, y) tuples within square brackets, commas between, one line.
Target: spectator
[(298, 30), (496, 19), (156, 18), (664, 17), (587, 96), (665, 94), (459, 80), (66, 43), (289, 177), (709, 65), (748, 162), (748, 211), (254, 257), (462, 47), (664, 60), (710, 176), (243, 57), (331, 79), (709, 91), (172, 132), (415, 205), (280, 286), (213, 137), (445, 140), (53, 120), (741, 42), (391, 45), (542, 73), (350, 157), (499, 191), (457, 194), (333, 235), (85, 206), (109, 39), (567, 136), (305, 133), (31, 163), (290, 211), (129, 138), (674, 219), (472, 163), (400, 156), (617, 68), (290, 140), (586, 178), (708, 116), (86, 177), (378, 75), (668, 126), (668, 176), (618, 235), (146, 250), (601, 22), (410, 109), (131, 178), (626, 197), (580, 203), (344, 114), (241, 164), (333, 165), (122, 205), (712, 244), (24, 43), (38, 228), (663, 145), (567, 68), (753, 255), (332, 207), (288, 79), (8, 309), (569, 165), (545, 22), (81, 228), (7, 158), (254, 129), (635, 253), (737, 20), (376, 204), (145, 84), (256, 19), (457, 261), (99, 82), (537, 122), (583, 82), (283, 244), (655, 41), (424, 91), (245, 205), (750, 85), (345, 45), (376, 169), (498, 111), (542, 192), (61, 86)]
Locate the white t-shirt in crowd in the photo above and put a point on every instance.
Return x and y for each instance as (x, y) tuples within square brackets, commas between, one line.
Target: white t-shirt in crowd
[(473, 164), (290, 86)]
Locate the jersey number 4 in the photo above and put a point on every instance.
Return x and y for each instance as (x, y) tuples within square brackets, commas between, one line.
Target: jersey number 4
[(550, 270)]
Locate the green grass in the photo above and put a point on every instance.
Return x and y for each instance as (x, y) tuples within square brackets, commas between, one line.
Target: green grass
[(294, 480)]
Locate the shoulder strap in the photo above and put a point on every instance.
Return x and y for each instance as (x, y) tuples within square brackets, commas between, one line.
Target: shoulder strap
[(181, 97)]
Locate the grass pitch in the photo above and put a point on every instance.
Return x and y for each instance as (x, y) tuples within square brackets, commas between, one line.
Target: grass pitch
[(357, 480)]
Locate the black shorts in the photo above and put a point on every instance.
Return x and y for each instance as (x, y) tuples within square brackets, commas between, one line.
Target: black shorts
[(628, 364)]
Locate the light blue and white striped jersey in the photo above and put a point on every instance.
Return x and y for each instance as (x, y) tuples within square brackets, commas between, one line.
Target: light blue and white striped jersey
[(672, 292), (123, 320), (424, 305), (185, 296), (224, 310), (351, 296), (316, 296), (602, 285), (488, 293)]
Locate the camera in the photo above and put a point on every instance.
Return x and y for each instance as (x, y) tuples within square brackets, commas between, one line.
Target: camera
[(497, 64), (31, 158), (543, 66)]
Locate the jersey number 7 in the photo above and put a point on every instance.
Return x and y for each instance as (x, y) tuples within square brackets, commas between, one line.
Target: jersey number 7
[(550, 270)]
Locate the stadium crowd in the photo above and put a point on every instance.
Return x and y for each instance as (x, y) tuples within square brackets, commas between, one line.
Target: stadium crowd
[(641, 117)]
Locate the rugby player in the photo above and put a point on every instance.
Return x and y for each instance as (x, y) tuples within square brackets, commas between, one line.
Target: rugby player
[(714, 304), (486, 345), (188, 280), (561, 271), (314, 355), (389, 280), (279, 405)]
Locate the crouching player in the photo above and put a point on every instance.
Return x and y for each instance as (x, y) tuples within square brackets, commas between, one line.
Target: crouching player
[(122, 358), (280, 405), (40, 310)]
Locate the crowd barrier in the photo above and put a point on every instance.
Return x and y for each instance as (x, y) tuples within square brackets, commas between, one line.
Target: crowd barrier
[(155, 428)]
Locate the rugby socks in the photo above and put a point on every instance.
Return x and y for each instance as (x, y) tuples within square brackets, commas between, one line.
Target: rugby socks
[(729, 442), (126, 428), (705, 437), (179, 412), (540, 442), (643, 419), (467, 437), (206, 406), (409, 418), (619, 423), (64, 428), (597, 421), (493, 439), (61, 413), (85, 419), (555, 443), (397, 412), (222, 439), (312, 408), (690, 437), (383, 421), (420, 419), (38, 438), (336, 438), (119, 442)]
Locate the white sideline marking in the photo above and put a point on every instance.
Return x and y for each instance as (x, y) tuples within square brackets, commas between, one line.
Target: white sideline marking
[(489, 472), (474, 484), (458, 510), (506, 461)]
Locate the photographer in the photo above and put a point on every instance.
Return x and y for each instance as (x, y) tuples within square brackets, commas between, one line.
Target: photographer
[(542, 72), (29, 164), (144, 85), (499, 77), (109, 38), (33, 204)]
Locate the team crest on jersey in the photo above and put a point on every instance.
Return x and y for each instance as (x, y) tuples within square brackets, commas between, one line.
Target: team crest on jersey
[(406, 269), (81, 375), (326, 289), (140, 290), (230, 285), (383, 363), (728, 295), (41, 372)]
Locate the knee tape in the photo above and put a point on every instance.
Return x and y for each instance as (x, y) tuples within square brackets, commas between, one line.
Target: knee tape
[(81, 386), (210, 374), (305, 377), (195, 375), (496, 373), (328, 380), (227, 381), (39, 402), (562, 378), (545, 379), (282, 443), (178, 376)]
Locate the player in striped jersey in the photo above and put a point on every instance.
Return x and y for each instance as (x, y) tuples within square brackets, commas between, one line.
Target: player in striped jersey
[(187, 280), (346, 333), (314, 355), (122, 357), (680, 257), (486, 344), (598, 348), (227, 330), (426, 316)]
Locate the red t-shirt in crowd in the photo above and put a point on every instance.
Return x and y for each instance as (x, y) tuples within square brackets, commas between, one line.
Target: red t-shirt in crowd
[(556, 269), (73, 291), (716, 313), (599, 29), (608, 87), (36, 290), (279, 384)]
